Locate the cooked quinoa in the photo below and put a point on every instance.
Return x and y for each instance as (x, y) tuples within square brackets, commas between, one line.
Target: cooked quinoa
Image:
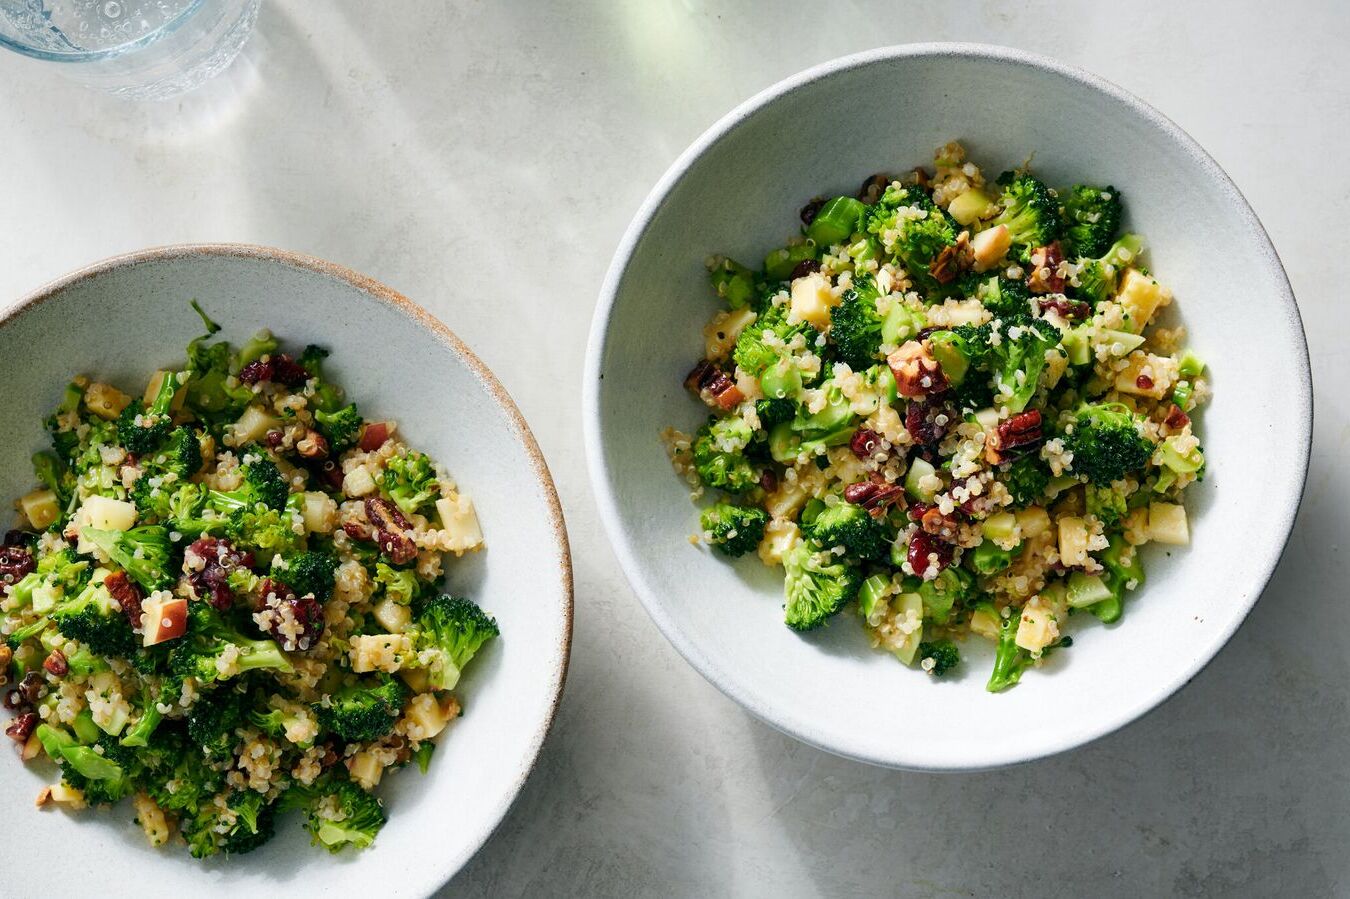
[(223, 601), (948, 404)]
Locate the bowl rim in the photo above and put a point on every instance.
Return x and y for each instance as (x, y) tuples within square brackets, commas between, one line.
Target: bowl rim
[(451, 864), (607, 500)]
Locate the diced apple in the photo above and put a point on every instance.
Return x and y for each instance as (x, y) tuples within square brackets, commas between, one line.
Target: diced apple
[(719, 335), (105, 400), (1167, 524), (1132, 379), (392, 617), (428, 714), (253, 425), (812, 300), (1073, 537), (1140, 296), (780, 536), (415, 678), (375, 434), (985, 623), (459, 519), (970, 206), (365, 769), (358, 482), (40, 508), (319, 512), (989, 246), (1033, 521), (101, 513), (32, 747), (1036, 629), (164, 618)]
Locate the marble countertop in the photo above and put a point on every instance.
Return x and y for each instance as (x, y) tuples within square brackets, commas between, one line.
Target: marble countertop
[(484, 158)]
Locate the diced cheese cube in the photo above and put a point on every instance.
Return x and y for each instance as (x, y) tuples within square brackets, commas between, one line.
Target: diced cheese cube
[(164, 618), (105, 400), (812, 300), (365, 769), (392, 617), (1073, 537), (459, 519), (151, 818), (40, 508), (428, 715), (379, 652), (1140, 296), (253, 425), (985, 623), (1036, 628), (101, 513), (1167, 524), (780, 535), (719, 335), (1133, 378)]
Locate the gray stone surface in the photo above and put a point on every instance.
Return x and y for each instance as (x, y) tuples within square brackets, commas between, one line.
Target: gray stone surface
[(484, 158)]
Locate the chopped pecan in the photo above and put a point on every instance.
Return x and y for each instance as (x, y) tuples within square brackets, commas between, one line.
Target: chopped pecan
[(55, 664), (873, 188), (876, 495), (128, 596), (951, 260), (1014, 437), (1046, 276), (32, 687), (1066, 308), (920, 176), (391, 530), (356, 530), (926, 551), (714, 386), (804, 268), (944, 527), (22, 727), (15, 700), (812, 209), (917, 373)]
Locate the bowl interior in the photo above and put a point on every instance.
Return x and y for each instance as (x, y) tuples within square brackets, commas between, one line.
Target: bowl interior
[(124, 320), (738, 192)]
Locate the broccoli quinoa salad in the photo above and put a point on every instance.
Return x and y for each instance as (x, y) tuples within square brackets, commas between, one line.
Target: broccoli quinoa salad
[(948, 405), (222, 603)]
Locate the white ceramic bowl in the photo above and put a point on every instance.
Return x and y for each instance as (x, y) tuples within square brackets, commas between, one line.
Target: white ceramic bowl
[(119, 319), (737, 191)]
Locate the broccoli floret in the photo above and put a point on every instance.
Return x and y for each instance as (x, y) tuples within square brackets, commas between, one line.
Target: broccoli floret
[(1026, 479), (733, 530), (410, 481), (1001, 296), (139, 733), (248, 824), (1021, 359), (359, 814), (951, 589), (365, 709), (1107, 503), (266, 530), (213, 719), (327, 395), (142, 552), (817, 586), (92, 618), (181, 454), (719, 455), (308, 573), (1106, 444), (263, 484), (774, 411), (453, 629), (209, 393), (1029, 211), (276, 721), (342, 427), (844, 524), (944, 654), (52, 473), (208, 638), (141, 430), (911, 227), (400, 584), (855, 324), (1097, 278), (753, 355), (988, 558), (1091, 217), (27, 632), (101, 771), (263, 343), (1010, 660), (179, 762)]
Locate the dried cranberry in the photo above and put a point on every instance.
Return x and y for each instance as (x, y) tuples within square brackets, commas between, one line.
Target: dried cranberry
[(128, 596), (811, 210), (279, 368), (1065, 307), (17, 537), (926, 551), (274, 438), (331, 474), (768, 481), (15, 562), (1176, 418), (714, 386), (219, 558), (295, 621), (921, 420), (391, 530), (1045, 263), (804, 268), (1144, 382), (22, 727), (864, 443)]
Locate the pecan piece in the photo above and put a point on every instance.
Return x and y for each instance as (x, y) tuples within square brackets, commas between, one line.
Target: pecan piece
[(128, 596), (951, 260), (391, 530), (714, 386), (927, 552), (22, 727), (55, 664), (917, 372), (939, 525), (1014, 437), (876, 495), (312, 446), (1045, 274), (32, 687), (1066, 308)]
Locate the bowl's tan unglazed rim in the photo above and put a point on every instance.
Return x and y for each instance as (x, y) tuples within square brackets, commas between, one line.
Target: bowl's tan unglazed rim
[(451, 341), (592, 382)]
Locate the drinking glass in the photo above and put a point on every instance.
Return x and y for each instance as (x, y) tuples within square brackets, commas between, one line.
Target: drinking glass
[(145, 49)]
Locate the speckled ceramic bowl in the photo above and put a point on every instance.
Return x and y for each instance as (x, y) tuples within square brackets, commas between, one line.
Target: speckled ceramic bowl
[(737, 191), (121, 318)]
